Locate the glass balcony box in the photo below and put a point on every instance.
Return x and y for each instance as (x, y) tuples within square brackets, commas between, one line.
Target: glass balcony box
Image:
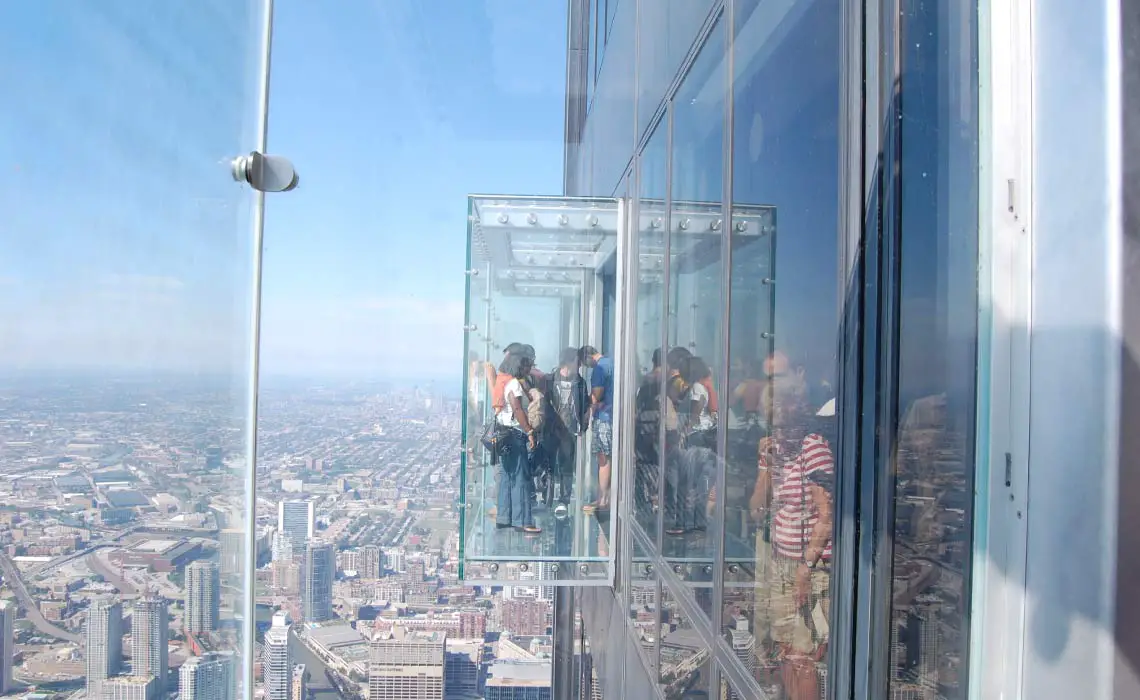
[(548, 274)]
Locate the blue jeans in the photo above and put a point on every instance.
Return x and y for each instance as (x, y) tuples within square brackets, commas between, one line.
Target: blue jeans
[(514, 483)]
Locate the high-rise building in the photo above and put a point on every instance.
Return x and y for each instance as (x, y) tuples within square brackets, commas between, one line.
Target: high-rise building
[(744, 647), (212, 676), (318, 572), (150, 637), (463, 663), (295, 520), (395, 559), (7, 641), (371, 562), (350, 561), (282, 547), (407, 666), (203, 597), (104, 643), (232, 545), (277, 662), (300, 682), (134, 687)]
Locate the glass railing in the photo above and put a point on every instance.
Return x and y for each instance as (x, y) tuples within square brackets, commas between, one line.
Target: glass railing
[(127, 257)]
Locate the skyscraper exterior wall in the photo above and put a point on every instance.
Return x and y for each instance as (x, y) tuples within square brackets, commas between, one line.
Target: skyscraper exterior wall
[(316, 582), (150, 637), (410, 667), (203, 597), (7, 615), (277, 663), (295, 520), (104, 643), (212, 676)]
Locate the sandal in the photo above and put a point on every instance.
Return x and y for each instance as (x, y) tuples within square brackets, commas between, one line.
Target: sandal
[(532, 529)]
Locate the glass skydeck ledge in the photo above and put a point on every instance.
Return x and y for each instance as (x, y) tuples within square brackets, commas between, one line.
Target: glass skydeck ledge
[(548, 272), (541, 272)]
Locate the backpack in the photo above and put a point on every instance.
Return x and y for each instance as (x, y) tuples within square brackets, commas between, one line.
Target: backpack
[(536, 410)]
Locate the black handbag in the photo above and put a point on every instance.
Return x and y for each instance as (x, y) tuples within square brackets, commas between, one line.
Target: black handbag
[(494, 436)]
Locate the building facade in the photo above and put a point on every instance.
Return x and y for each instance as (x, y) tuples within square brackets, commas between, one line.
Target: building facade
[(406, 666), (318, 570), (7, 643), (203, 597), (824, 246), (212, 676), (295, 520), (150, 638), (104, 642), (134, 687), (277, 660)]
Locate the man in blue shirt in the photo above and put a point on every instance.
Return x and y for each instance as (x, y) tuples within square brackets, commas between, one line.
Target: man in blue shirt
[(601, 405)]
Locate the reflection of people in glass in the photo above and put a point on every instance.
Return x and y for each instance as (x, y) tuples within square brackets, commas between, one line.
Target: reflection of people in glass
[(792, 499), (569, 403), (694, 473), (601, 397), (676, 391), (648, 424), (513, 508)]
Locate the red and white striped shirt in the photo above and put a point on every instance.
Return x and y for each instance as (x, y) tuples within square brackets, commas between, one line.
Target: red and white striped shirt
[(794, 513)]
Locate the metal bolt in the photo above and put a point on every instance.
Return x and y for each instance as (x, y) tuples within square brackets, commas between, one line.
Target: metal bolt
[(523, 567)]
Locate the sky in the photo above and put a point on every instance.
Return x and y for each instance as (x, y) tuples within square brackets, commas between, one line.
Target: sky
[(125, 244)]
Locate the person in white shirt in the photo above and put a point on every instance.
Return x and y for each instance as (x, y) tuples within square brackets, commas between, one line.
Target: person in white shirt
[(513, 509)]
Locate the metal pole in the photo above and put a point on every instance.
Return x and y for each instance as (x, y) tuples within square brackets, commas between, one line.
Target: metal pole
[(565, 680), (249, 595)]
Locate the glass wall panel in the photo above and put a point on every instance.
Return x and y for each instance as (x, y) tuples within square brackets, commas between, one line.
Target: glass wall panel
[(126, 297), (612, 111), (649, 328), (644, 610), (685, 659), (938, 307), (666, 32), (540, 377), (695, 319), (779, 407)]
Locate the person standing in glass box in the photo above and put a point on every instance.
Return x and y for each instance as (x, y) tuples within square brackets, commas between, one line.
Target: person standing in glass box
[(569, 403), (601, 401)]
